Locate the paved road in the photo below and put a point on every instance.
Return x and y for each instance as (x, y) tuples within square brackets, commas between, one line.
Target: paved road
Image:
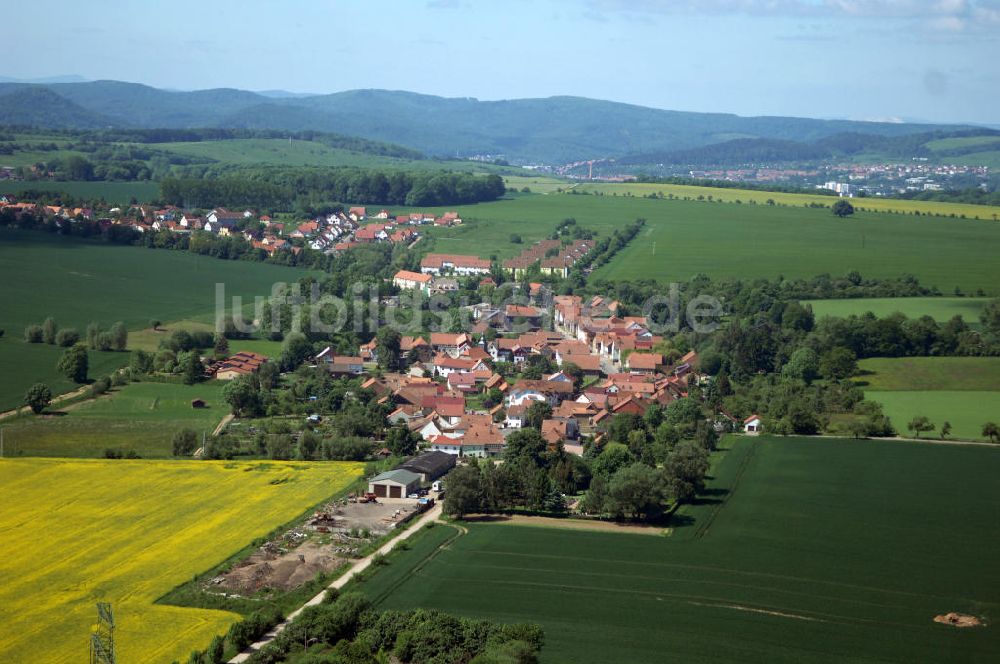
[(359, 566)]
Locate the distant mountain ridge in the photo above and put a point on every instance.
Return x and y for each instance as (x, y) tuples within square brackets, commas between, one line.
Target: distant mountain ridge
[(550, 130)]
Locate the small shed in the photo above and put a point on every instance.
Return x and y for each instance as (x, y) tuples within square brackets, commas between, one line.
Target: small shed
[(752, 424), (394, 484), (430, 465), (198, 403)]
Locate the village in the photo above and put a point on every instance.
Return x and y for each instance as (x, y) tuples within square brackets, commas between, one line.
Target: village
[(328, 233), (567, 369)]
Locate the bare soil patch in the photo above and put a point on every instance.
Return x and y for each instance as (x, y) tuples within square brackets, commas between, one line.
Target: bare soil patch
[(345, 516), (959, 620), (568, 524), (274, 568)]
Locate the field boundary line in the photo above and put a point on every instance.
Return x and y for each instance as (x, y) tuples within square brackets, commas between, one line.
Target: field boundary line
[(703, 529), (459, 531)]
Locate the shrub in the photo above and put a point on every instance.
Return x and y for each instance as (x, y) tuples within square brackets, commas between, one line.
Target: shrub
[(99, 387), (66, 337), (184, 442), (33, 334)]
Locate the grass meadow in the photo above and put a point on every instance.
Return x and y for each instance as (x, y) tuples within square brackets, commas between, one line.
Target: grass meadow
[(78, 532), (964, 391), (967, 410), (77, 282), (930, 373), (802, 550), (940, 309), (138, 416)]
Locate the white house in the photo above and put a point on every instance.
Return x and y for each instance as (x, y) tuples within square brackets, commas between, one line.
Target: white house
[(753, 425), (406, 280)]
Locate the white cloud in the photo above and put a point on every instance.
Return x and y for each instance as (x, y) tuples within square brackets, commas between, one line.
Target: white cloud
[(944, 16)]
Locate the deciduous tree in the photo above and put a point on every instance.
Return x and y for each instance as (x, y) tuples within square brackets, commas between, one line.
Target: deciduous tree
[(74, 363), (919, 424), (465, 493), (38, 397)]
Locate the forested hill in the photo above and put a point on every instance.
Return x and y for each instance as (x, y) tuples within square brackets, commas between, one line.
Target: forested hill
[(766, 150), (550, 130)]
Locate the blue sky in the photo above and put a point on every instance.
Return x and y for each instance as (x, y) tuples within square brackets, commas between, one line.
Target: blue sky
[(935, 60)]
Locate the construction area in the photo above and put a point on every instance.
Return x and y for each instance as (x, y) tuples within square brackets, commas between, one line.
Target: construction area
[(332, 537)]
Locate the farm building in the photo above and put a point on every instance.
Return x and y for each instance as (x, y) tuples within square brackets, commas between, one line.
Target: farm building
[(430, 465), (752, 424), (240, 364), (394, 484)]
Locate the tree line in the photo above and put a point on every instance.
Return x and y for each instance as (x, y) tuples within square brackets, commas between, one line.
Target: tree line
[(282, 189), (347, 629)]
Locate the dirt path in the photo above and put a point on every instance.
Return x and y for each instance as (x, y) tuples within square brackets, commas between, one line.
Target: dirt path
[(222, 425), (358, 567), (936, 441), (62, 397), (566, 524)]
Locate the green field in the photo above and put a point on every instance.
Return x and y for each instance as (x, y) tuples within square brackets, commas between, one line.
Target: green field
[(78, 282), (537, 184), (279, 152), (940, 309), (804, 550), (685, 238), (962, 142), (118, 193), (897, 206), (747, 241), (930, 373), (139, 416), (967, 410), (149, 340), (989, 158)]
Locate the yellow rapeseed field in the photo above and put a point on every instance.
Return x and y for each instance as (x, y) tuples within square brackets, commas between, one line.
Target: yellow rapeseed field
[(77, 532)]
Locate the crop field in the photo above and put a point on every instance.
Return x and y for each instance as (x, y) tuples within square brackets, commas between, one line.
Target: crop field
[(138, 416), (804, 550), (795, 200), (127, 532), (967, 410), (930, 373), (940, 309), (77, 282), (119, 193), (685, 238), (747, 241), (24, 364)]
